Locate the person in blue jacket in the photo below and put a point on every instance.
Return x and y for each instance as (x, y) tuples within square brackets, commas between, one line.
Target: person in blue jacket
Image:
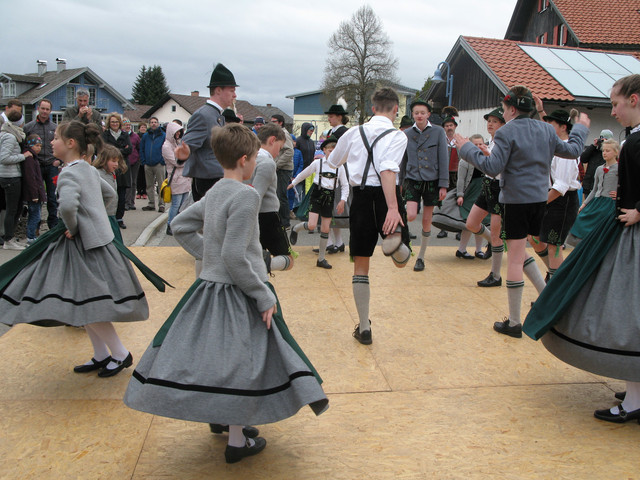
[(151, 158)]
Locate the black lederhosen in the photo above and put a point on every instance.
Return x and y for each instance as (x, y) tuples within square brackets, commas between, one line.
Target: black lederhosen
[(273, 236), (425, 190), (522, 219), (368, 213), (488, 200), (559, 218), (322, 202)]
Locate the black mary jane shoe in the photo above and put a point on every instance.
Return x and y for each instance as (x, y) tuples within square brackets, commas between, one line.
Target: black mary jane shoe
[(235, 454), (621, 417), (465, 255), (122, 364), (248, 431), (94, 365)]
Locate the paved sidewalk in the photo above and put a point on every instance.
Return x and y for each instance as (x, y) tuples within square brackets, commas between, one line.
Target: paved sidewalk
[(437, 395)]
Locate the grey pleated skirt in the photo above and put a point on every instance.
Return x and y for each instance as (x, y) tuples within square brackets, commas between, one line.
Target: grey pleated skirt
[(600, 331), (68, 285), (218, 363)]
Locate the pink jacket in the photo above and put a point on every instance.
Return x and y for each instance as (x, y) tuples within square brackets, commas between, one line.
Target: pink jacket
[(179, 184)]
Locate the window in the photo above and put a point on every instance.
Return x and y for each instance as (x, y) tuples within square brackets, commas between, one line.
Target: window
[(9, 89), (173, 108), (71, 95), (542, 38), (92, 96), (542, 5), (562, 36), (56, 117)]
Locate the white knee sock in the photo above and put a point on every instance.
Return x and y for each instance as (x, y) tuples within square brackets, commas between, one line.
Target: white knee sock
[(496, 260), (544, 256), (514, 295), (424, 243), (479, 240), (300, 226), (100, 350), (532, 272), (632, 397), (361, 295), (280, 262), (485, 233), (236, 437), (465, 236), (322, 246), (108, 335), (335, 237)]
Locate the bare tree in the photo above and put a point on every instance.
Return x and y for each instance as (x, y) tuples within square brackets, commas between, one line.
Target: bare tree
[(360, 59)]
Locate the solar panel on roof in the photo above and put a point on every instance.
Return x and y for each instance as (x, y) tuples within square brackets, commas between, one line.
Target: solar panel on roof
[(583, 73)]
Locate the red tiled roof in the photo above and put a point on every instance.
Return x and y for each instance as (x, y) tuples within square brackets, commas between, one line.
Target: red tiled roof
[(514, 67), (610, 22)]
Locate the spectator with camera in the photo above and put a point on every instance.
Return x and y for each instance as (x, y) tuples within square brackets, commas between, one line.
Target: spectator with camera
[(591, 158)]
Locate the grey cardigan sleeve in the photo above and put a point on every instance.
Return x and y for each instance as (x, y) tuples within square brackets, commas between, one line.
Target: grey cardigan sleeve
[(69, 191), (187, 229), (443, 160), (8, 147), (197, 132)]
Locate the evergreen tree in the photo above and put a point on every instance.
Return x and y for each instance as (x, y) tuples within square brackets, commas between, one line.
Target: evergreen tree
[(150, 86)]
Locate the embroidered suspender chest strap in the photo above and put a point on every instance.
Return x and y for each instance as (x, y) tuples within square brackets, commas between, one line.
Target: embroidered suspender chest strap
[(327, 175), (370, 154)]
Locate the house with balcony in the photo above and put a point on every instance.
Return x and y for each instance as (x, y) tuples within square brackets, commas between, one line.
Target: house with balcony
[(59, 86)]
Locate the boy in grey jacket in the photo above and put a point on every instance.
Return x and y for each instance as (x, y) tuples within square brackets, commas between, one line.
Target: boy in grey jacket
[(522, 154)]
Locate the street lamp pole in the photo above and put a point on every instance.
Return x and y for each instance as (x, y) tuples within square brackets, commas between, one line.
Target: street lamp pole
[(437, 77)]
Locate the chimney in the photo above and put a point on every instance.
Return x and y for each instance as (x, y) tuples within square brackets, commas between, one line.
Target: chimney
[(195, 93), (62, 64), (268, 105), (42, 67)]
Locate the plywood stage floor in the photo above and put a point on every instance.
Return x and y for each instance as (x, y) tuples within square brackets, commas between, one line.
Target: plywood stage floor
[(439, 394)]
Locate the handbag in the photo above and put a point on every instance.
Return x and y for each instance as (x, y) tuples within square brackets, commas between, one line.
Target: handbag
[(165, 188)]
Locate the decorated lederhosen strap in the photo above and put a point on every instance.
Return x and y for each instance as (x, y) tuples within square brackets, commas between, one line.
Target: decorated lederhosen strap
[(370, 154), (326, 195)]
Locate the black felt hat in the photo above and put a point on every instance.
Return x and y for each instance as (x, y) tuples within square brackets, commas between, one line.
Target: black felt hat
[(560, 116), (337, 110), (328, 141), (222, 77), (419, 101), (405, 121), (498, 113), (230, 116)]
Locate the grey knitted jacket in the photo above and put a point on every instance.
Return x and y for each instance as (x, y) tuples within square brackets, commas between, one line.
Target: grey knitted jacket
[(82, 196), (10, 156), (265, 181), (222, 230)]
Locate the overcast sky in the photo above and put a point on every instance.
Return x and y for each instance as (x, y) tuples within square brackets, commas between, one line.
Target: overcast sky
[(274, 48)]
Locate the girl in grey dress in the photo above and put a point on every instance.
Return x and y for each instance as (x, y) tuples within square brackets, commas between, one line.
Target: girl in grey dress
[(74, 274), (225, 355)]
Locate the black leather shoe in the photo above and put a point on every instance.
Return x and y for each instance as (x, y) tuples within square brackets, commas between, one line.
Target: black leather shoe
[(490, 281), (323, 264), (315, 250), (412, 236), (464, 255), (363, 337), (621, 417), (95, 365), (335, 249), (110, 372), (235, 454), (442, 234), (169, 232), (293, 238), (248, 431), (121, 224), (486, 255), (514, 331), (458, 236), (620, 395), (419, 266), (149, 208)]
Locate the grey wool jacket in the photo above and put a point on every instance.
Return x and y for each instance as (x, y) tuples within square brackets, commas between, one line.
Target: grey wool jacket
[(222, 230), (522, 154), (427, 156), (202, 163), (265, 181), (82, 196)]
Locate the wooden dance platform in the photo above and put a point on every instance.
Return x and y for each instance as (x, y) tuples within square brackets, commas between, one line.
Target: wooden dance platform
[(439, 394)]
